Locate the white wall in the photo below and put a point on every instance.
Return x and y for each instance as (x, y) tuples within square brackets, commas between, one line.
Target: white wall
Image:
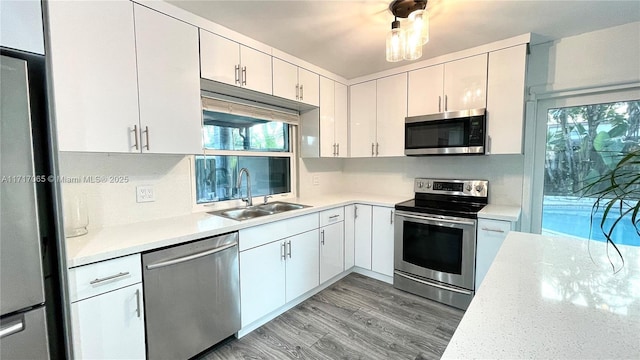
[(328, 173), (111, 204), (394, 176)]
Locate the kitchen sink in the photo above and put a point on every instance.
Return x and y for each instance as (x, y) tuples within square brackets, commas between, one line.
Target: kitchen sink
[(246, 213)]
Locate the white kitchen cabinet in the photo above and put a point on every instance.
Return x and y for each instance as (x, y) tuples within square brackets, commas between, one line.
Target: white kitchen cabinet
[(295, 83), (95, 84), (362, 119), (262, 280), (491, 235), (168, 83), (333, 118), (391, 109), (426, 88), (109, 326), (362, 236), (349, 236), (505, 100), (465, 83), (21, 25), (382, 240), (303, 264), (331, 250), (231, 63)]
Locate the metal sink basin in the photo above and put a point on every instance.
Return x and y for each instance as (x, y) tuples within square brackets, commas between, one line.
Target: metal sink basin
[(246, 213), (280, 206)]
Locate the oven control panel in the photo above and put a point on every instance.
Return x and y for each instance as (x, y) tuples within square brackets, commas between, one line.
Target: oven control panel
[(475, 188)]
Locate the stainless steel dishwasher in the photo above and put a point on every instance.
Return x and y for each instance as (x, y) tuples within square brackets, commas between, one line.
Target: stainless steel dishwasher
[(191, 296)]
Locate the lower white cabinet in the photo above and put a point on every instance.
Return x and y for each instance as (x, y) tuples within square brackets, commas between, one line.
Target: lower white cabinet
[(277, 272), (331, 250), (491, 235), (362, 236), (110, 325), (382, 240), (349, 236)]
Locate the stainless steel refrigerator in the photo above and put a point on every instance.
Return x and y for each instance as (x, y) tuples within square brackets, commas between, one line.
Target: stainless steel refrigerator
[(23, 327)]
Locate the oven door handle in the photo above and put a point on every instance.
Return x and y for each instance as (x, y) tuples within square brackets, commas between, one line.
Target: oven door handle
[(470, 223)]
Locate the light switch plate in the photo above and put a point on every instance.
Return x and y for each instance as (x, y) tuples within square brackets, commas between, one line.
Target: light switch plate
[(144, 193), (315, 179)]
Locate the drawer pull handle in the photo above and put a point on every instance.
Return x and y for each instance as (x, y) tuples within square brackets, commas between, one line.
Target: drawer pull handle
[(13, 327), (97, 281), (138, 302), (334, 216), (493, 230)]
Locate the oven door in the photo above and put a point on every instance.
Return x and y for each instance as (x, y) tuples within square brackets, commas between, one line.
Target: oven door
[(436, 247)]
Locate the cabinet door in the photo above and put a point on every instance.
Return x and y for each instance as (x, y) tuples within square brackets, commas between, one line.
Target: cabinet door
[(349, 236), (491, 235), (362, 236), (362, 123), (382, 240), (341, 114), (303, 264), (21, 26), (109, 326), (327, 118), (219, 58), (256, 70), (262, 281), (285, 80), (465, 83), (168, 83), (94, 82), (505, 99), (309, 87), (426, 88), (331, 251), (391, 108)]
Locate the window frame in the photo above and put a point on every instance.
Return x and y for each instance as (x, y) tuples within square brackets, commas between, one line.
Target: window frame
[(225, 204)]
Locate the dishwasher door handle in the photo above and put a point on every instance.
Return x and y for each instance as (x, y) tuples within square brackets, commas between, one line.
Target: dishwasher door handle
[(190, 257)]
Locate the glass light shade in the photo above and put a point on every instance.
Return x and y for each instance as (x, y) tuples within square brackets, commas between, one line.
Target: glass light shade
[(420, 23), (413, 49), (395, 45)]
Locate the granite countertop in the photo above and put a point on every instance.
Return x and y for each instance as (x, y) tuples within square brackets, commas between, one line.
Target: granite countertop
[(553, 297)]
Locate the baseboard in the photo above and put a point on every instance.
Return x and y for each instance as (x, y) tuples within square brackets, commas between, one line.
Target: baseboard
[(373, 275)]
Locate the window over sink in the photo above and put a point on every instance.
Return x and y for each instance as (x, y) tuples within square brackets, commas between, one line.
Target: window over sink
[(237, 136)]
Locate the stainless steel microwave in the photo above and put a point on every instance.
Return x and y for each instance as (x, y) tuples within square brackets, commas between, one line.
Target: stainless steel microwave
[(449, 133)]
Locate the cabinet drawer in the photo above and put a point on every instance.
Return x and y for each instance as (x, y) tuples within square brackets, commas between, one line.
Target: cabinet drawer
[(94, 279), (331, 216), (263, 234)]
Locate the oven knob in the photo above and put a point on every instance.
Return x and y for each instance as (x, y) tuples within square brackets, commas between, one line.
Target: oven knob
[(428, 185), (420, 184), (469, 188), (479, 188)]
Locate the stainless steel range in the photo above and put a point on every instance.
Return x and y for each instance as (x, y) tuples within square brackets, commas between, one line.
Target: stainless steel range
[(435, 239)]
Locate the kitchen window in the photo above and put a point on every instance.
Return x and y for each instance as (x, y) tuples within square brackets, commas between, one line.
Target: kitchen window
[(237, 136)]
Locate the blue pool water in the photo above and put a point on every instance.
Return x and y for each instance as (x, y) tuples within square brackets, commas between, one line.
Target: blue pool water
[(574, 220)]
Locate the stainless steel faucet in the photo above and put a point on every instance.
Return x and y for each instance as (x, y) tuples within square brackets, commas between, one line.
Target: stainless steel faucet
[(266, 198), (248, 200)]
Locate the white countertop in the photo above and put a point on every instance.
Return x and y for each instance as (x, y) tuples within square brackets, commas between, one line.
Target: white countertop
[(500, 212), (544, 297)]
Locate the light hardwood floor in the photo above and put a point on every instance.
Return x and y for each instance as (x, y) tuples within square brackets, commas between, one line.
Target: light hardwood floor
[(355, 318)]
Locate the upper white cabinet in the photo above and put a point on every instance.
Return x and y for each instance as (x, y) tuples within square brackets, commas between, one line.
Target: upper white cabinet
[(295, 83), (453, 86), (227, 61), (425, 90), (465, 83), (168, 83), (333, 118), (21, 25), (505, 100), (93, 56), (378, 130)]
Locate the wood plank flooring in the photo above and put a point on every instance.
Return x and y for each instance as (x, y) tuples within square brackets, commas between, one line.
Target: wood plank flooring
[(355, 318)]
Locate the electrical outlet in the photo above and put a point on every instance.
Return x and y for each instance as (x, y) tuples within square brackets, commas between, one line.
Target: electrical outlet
[(144, 193), (315, 179)]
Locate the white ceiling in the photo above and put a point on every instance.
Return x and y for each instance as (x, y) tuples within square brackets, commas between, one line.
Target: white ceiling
[(348, 37)]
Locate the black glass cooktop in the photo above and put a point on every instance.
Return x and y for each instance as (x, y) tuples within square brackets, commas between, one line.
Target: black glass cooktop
[(449, 207)]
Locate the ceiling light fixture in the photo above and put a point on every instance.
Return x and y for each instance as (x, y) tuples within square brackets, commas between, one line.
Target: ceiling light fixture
[(407, 45)]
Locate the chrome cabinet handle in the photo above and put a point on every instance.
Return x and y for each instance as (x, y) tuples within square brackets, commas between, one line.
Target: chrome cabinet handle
[(138, 302), (391, 218), (338, 149), (373, 146), (322, 237), (377, 148), (283, 251), (191, 257), (97, 281), (146, 131), (333, 216), (493, 230), (334, 149), (237, 72), (12, 327), (301, 92), (244, 75), (445, 103), (297, 91), (439, 103), (289, 252), (355, 211), (135, 136)]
